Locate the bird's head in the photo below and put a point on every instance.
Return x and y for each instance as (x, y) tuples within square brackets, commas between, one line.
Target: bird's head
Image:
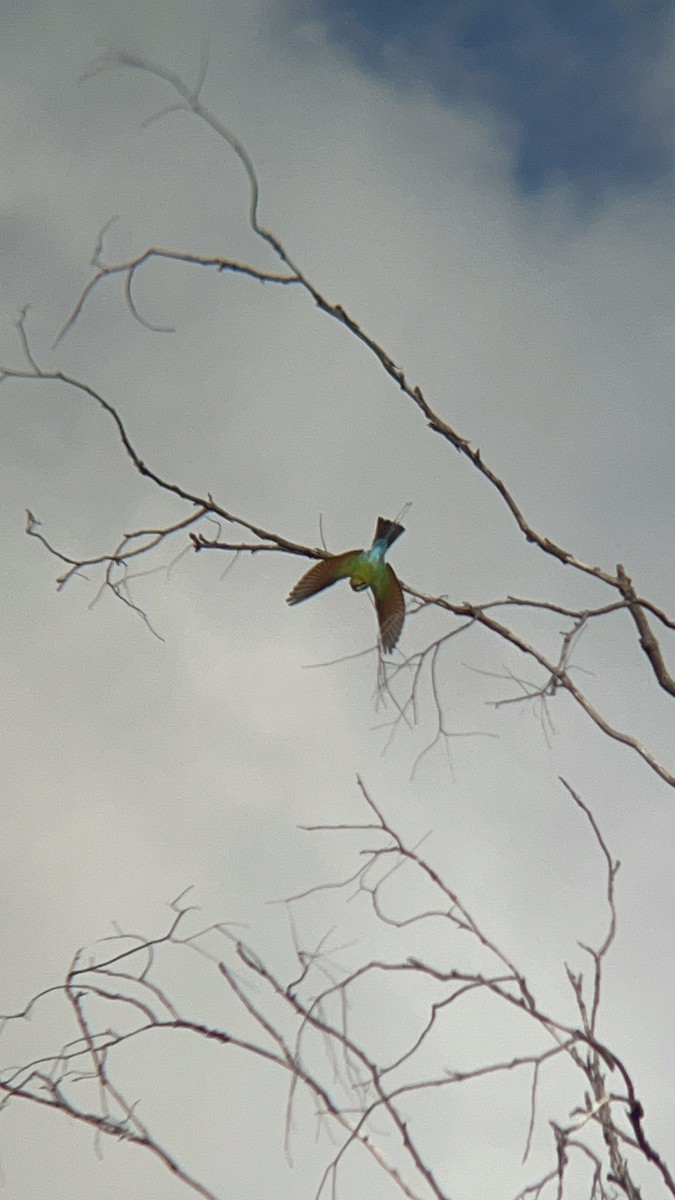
[(358, 583)]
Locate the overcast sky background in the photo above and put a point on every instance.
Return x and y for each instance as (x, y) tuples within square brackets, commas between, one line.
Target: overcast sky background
[(489, 190)]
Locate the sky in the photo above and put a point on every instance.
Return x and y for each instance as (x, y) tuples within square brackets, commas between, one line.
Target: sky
[(491, 194), (572, 78)]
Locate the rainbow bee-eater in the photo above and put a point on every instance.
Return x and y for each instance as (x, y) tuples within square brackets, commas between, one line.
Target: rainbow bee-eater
[(364, 569)]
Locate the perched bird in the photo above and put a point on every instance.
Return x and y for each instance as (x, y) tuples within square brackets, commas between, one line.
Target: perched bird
[(364, 569)]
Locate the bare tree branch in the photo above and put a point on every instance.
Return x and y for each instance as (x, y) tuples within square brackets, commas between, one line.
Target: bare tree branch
[(353, 1091)]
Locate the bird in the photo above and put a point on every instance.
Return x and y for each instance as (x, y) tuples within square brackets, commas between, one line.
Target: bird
[(364, 569)]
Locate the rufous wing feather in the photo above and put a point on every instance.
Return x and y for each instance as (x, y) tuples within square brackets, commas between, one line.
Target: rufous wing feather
[(322, 575), (390, 606)]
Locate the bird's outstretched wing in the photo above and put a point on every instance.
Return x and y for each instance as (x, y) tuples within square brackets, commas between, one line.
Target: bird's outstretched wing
[(390, 607), (324, 573)]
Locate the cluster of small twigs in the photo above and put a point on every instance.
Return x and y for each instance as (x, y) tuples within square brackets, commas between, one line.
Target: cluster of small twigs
[(364, 1101), (352, 1092)]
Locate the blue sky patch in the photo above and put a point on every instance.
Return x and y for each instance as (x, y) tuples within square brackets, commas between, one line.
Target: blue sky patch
[(570, 75)]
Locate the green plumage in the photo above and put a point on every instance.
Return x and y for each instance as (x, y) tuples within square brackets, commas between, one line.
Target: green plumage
[(364, 569)]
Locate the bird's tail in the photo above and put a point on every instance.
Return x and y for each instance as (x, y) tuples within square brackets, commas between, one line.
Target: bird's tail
[(387, 532)]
